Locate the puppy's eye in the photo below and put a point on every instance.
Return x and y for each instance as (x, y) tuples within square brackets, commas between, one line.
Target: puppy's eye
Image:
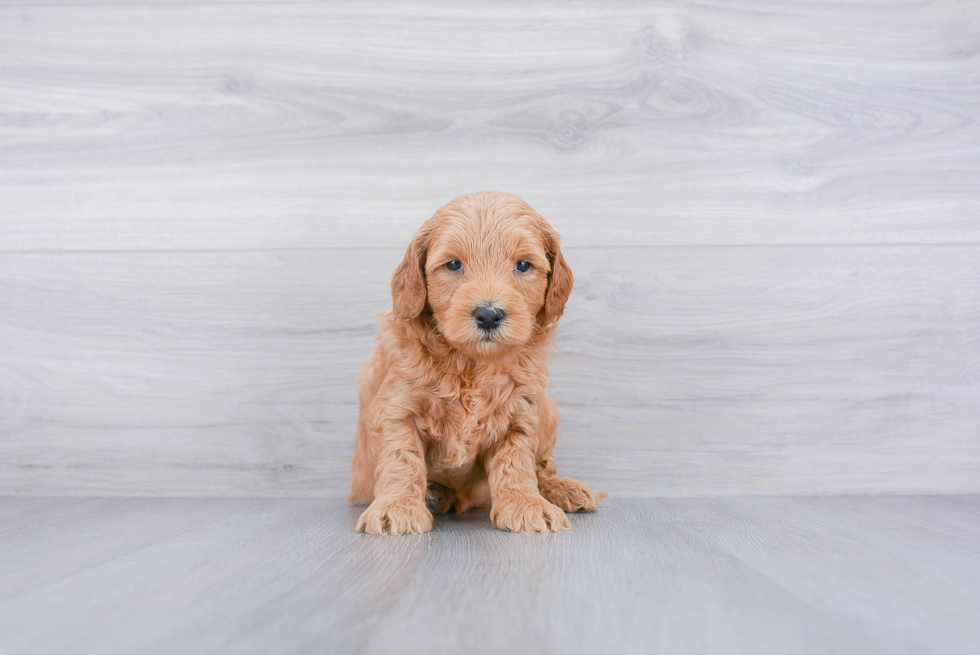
[(454, 265), (522, 266)]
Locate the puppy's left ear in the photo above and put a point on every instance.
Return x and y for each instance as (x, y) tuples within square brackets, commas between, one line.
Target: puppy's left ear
[(408, 282), (560, 280)]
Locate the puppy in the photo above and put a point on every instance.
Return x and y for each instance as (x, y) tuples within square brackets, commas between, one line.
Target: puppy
[(453, 409)]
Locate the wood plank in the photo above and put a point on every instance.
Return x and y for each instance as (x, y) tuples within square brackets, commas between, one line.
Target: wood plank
[(840, 557), (266, 579), (291, 125), (709, 575), (628, 579), (50, 539), (694, 371)]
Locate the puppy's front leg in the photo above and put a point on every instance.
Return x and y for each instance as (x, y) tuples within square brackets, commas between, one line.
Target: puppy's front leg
[(399, 493), (516, 503)]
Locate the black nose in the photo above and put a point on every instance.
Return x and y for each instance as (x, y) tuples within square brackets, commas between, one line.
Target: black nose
[(488, 318)]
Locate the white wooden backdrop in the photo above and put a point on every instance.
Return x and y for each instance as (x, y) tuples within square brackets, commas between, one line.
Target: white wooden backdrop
[(772, 210)]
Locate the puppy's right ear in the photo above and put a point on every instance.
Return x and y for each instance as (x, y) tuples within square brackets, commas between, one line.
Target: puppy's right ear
[(408, 283)]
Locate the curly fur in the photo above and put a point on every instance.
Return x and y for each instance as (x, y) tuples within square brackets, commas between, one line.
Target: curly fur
[(452, 417)]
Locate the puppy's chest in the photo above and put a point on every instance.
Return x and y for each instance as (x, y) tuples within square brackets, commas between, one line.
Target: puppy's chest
[(459, 427)]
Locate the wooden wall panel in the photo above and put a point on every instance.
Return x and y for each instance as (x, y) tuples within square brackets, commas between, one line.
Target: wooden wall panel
[(772, 210), (305, 124), (680, 371)]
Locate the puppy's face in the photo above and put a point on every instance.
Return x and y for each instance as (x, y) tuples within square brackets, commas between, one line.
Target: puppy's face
[(486, 281), (489, 269)]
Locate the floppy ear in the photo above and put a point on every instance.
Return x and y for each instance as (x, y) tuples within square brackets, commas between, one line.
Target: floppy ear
[(408, 282), (560, 280)]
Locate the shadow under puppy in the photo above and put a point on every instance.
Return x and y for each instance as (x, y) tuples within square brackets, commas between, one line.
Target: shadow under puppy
[(453, 408)]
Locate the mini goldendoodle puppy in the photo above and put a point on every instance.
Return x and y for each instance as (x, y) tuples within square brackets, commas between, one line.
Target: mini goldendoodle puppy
[(454, 412)]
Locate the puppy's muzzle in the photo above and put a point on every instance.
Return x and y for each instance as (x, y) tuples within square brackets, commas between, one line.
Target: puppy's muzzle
[(488, 318)]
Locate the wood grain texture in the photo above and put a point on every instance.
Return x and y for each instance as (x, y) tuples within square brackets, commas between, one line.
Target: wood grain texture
[(712, 575), (290, 125), (772, 210), (692, 371), (60, 533)]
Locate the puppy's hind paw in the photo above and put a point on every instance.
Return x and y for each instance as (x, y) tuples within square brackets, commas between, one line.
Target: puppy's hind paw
[(439, 499), (395, 516), (570, 495)]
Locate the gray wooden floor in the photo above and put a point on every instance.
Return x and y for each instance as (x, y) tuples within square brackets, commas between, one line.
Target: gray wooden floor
[(832, 574)]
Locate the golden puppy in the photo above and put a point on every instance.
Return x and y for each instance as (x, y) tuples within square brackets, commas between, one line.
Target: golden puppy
[(454, 412)]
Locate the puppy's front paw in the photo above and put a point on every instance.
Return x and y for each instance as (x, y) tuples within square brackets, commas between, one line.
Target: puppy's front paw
[(395, 516), (570, 495), (526, 513)]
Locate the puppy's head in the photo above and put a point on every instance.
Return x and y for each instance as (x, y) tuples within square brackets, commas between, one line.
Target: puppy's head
[(489, 269)]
